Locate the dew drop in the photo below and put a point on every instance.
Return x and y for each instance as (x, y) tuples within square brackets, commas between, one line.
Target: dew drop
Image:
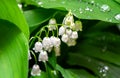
[(80, 10), (92, 2), (40, 3), (88, 9), (105, 8), (103, 70), (63, 2), (117, 17)]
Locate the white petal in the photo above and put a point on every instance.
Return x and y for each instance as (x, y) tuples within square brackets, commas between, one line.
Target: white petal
[(47, 44), (61, 30), (68, 32), (74, 35)]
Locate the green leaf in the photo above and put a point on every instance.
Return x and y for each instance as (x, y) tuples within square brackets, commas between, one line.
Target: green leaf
[(52, 60), (10, 11), (36, 17), (94, 65), (101, 43), (117, 1), (85, 9), (13, 51), (82, 73), (14, 36), (66, 73)]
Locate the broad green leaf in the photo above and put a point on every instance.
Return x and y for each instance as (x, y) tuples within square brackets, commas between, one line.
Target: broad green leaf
[(95, 66), (35, 17), (82, 73), (86, 9), (52, 60), (66, 73), (101, 43), (13, 51), (10, 11), (14, 36), (117, 1)]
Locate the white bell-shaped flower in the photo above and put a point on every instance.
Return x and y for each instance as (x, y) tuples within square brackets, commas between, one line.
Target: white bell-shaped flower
[(35, 70), (68, 32), (62, 30), (55, 41), (65, 38), (47, 44), (43, 56), (68, 20), (38, 47), (74, 35)]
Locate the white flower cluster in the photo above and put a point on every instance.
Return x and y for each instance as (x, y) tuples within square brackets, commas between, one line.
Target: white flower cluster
[(69, 29), (69, 34), (47, 44)]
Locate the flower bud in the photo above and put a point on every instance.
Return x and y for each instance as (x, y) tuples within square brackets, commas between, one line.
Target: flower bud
[(52, 24), (52, 21), (78, 26)]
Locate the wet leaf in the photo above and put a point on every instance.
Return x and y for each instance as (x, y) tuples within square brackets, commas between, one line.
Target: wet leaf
[(85, 9)]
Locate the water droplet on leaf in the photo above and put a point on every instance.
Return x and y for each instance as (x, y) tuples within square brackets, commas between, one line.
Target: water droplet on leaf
[(103, 70), (88, 9), (80, 10), (40, 3), (117, 17), (63, 2), (105, 8)]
